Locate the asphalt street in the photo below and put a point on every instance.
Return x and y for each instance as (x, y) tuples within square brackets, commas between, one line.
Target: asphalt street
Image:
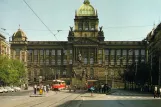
[(119, 98)]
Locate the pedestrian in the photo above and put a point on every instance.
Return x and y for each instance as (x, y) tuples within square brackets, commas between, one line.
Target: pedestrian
[(47, 88), (92, 89), (155, 91), (99, 88), (44, 88), (35, 88), (102, 89), (75, 87), (160, 92)]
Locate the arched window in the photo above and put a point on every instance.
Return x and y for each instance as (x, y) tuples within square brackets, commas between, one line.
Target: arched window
[(86, 26), (85, 60), (91, 60), (80, 26), (92, 26)]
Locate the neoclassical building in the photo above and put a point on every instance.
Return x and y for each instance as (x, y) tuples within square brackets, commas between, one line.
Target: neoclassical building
[(84, 52), (154, 54), (4, 46)]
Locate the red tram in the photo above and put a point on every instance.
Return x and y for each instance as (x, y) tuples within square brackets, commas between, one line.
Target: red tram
[(58, 85)]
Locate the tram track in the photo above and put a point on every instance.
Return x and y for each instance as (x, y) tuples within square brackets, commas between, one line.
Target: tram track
[(28, 101), (51, 101)]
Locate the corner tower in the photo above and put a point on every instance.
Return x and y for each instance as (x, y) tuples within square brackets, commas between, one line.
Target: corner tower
[(86, 24), (19, 46)]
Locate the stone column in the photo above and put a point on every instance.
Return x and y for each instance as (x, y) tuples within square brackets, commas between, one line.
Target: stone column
[(103, 56), (95, 57), (76, 52)]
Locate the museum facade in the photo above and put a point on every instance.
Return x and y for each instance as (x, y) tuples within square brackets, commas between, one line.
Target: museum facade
[(85, 53)]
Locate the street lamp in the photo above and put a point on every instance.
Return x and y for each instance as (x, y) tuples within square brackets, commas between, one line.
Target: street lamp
[(112, 74), (136, 61)]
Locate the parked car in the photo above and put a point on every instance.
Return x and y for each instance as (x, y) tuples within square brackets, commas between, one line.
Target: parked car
[(9, 89), (1, 90), (4, 90), (17, 88)]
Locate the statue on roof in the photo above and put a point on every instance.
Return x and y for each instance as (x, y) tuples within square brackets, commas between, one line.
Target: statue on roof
[(71, 28), (101, 28), (86, 2)]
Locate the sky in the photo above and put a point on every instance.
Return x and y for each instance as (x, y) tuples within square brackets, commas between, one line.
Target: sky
[(122, 20)]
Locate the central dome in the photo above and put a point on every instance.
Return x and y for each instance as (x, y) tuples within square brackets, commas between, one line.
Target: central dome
[(86, 9)]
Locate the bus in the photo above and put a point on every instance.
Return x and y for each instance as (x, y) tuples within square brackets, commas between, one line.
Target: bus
[(58, 85)]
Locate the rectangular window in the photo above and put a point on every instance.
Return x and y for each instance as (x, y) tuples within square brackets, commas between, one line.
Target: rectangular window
[(136, 52), (65, 52), (59, 62), (130, 61), (41, 62), (99, 51), (106, 62), (124, 62), (112, 52), (118, 62), (106, 52), (47, 52), (70, 61), (112, 62), (17, 51), (47, 61), (70, 51), (65, 62), (91, 61), (53, 52), (29, 55), (142, 52), (118, 52), (35, 52), (53, 61), (41, 52), (130, 52), (124, 52), (99, 61)]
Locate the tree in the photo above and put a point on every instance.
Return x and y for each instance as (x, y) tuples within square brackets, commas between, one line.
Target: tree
[(143, 74), (12, 72)]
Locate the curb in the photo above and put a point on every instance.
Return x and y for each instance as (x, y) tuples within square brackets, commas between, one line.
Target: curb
[(37, 95)]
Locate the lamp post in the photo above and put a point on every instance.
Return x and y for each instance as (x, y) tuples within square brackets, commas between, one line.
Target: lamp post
[(136, 61), (112, 74), (106, 74), (159, 71)]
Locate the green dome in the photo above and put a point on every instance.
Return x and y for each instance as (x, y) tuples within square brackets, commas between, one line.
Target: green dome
[(19, 34), (86, 9)]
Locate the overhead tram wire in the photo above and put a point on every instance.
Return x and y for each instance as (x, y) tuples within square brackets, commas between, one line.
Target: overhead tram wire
[(110, 27), (127, 26), (44, 23)]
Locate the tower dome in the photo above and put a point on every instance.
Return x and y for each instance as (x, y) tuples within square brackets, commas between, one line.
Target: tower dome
[(86, 9), (19, 36)]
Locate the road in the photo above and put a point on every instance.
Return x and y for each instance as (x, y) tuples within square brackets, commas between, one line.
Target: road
[(52, 99), (119, 98)]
